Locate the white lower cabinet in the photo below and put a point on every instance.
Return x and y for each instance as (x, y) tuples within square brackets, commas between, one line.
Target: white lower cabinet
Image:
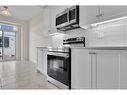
[(107, 68), (81, 69), (99, 69), (123, 70), (42, 60)]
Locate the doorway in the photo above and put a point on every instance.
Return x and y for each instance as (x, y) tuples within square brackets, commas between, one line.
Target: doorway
[(7, 42)]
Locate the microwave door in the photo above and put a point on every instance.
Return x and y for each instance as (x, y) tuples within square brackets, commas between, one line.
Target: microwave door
[(62, 19), (74, 15)]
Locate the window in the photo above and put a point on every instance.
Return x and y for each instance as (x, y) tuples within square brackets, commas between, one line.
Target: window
[(0, 41), (6, 42), (8, 27)]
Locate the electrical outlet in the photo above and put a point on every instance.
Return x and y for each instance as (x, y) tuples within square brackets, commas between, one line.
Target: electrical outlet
[(100, 35)]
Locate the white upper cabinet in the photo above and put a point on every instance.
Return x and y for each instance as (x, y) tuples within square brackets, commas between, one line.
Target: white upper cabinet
[(112, 12), (126, 35), (46, 23), (87, 15), (94, 14)]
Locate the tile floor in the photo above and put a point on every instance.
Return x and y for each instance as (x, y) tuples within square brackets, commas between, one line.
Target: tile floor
[(22, 75)]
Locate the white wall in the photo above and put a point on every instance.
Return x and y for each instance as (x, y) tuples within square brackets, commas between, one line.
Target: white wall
[(37, 38), (23, 36)]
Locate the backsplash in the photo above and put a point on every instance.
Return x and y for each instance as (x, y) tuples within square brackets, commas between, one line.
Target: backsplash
[(57, 40)]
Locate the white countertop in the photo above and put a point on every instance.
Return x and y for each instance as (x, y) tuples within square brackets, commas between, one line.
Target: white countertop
[(103, 47), (97, 47)]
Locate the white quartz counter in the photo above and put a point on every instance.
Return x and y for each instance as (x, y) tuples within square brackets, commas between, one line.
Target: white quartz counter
[(97, 47), (103, 47)]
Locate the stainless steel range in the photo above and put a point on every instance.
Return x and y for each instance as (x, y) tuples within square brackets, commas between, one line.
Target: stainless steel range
[(59, 62), (59, 66)]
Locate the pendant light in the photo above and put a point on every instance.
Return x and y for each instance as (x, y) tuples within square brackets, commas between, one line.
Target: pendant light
[(5, 11)]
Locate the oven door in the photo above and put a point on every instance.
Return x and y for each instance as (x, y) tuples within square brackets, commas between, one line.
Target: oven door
[(58, 68)]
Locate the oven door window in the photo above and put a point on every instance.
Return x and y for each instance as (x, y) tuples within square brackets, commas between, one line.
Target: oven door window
[(57, 63), (58, 68)]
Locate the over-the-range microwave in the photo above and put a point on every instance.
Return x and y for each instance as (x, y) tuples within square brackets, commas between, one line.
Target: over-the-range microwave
[(68, 19)]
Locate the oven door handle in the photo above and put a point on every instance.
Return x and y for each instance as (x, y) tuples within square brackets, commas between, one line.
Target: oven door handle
[(66, 55)]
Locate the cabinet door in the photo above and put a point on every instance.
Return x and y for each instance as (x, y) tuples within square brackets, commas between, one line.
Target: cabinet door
[(123, 69), (46, 22), (107, 69), (39, 59), (88, 15), (42, 60), (112, 12), (81, 69)]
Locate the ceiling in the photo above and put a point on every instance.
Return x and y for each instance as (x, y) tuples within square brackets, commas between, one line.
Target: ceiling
[(25, 12)]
